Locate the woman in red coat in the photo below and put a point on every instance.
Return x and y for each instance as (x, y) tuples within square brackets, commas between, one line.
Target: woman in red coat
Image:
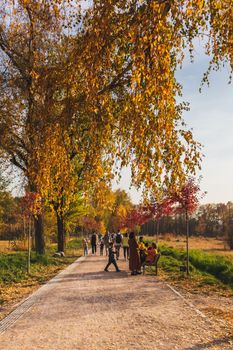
[(134, 259)]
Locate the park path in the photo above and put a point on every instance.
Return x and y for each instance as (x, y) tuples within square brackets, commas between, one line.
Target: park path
[(84, 308)]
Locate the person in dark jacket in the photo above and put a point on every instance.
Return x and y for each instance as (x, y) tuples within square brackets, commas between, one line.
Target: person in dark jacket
[(134, 259), (93, 243), (111, 258)]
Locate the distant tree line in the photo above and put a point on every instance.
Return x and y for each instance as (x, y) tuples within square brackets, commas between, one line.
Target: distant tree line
[(83, 217), (211, 220)]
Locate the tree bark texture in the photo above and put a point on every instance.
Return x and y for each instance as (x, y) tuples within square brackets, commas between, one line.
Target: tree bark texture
[(60, 234), (39, 234)]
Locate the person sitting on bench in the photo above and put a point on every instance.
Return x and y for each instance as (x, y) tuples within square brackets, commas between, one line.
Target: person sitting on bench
[(151, 253), (142, 249)]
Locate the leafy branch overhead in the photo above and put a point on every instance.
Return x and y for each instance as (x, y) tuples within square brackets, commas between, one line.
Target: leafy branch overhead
[(97, 84)]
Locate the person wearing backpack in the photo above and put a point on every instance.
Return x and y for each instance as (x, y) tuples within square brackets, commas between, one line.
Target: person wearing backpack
[(118, 243)]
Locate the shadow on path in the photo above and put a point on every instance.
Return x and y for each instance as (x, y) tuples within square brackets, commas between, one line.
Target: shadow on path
[(212, 344), (90, 276)]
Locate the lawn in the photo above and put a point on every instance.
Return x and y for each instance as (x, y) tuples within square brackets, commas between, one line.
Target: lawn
[(15, 283), (210, 283), (211, 267), (207, 244)]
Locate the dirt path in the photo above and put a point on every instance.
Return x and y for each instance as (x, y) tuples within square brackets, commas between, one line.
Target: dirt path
[(85, 308)]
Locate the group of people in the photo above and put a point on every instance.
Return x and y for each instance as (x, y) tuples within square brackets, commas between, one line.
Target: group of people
[(103, 241), (137, 252), (140, 253)]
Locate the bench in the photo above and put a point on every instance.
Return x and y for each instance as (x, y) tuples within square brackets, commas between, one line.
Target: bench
[(151, 264)]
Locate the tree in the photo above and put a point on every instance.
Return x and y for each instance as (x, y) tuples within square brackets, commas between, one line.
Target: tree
[(137, 216), (129, 52), (31, 203), (229, 225), (28, 31), (120, 208), (187, 202), (159, 208), (8, 211), (106, 77)]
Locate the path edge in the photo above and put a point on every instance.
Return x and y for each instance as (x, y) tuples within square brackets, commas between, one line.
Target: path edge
[(25, 304), (188, 302)]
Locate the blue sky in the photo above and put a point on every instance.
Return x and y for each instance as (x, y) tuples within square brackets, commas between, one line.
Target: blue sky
[(211, 117)]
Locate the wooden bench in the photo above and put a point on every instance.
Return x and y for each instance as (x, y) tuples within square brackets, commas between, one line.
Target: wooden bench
[(152, 264)]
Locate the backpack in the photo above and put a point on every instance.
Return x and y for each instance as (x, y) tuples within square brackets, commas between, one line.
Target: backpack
[(118, 238)]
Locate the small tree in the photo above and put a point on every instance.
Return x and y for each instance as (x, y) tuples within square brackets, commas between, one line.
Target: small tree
[(229, 226), (135, 217), (160, 208), (187, 202), (31, 204)]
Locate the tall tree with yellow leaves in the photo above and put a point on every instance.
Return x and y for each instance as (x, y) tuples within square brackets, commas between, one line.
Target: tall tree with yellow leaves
[(106, 77), (28, 32), (128, 52)]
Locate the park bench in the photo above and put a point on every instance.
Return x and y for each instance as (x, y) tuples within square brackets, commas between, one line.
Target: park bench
[(151, 264)]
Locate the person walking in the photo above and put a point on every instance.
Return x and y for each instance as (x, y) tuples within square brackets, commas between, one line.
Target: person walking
[(134, 259), (101, 244), (125, 242), (118, 243), (111, 258), (85, 246), (106, 242), (93, 243)]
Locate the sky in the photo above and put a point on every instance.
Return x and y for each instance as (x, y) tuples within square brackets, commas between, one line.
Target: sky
[(211, 117)]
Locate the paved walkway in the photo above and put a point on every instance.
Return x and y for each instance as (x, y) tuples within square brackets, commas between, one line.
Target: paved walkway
[(85, 308)]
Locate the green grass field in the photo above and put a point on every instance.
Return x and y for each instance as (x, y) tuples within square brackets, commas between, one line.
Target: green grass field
[(213, 269), (13, 265), (15, 282), (206, 268)]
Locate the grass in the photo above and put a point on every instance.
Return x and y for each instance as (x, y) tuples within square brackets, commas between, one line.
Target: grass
[(217, 266), (15, 282), (74, 244), (206, 244), (13, 265), (210, 283), (206, 268), (213, 268)]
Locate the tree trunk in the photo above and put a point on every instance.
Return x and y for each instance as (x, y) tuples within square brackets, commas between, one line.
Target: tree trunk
[(39, 234), (60, 234), (38, 227), (29, 245), (157, 230)]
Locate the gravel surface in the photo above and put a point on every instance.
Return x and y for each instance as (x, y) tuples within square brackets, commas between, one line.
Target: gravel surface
[(85, 308)]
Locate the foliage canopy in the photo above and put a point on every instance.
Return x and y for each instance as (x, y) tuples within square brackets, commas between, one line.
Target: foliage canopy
[(101, 79)]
